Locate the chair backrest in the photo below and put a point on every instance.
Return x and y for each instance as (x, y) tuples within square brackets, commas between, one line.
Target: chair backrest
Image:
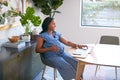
[(109, 40), (45, 61)]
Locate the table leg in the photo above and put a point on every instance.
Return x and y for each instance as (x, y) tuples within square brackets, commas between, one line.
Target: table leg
[(80, 69)]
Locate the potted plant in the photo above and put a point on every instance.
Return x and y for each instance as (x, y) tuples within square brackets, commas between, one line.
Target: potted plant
[(2, 3), (28, 18), (10, 15), (48, 7)]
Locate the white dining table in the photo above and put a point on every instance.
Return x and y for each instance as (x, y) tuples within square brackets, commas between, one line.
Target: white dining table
[(100, 54)]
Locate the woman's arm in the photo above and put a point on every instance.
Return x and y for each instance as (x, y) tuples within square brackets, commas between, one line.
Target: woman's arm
[(68, 43), (39, 48)]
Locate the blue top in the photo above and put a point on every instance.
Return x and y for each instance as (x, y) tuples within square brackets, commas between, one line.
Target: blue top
[(52, 40)]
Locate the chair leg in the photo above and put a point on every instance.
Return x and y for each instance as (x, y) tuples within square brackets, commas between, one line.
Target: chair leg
[(55, 73), (43, 72), (116, 72), (97, 66)]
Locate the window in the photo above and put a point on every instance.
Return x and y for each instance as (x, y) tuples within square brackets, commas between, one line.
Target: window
[(100, 13)]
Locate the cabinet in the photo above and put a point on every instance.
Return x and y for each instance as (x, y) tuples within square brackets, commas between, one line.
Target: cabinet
[(17, 67), (37, 65), (8, 68), (20, 65), (25, 63)]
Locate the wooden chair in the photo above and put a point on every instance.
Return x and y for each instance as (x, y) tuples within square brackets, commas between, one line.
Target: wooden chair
[(105, 39), (47, 63)]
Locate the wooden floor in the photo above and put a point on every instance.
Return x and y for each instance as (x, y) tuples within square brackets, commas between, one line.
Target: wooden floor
[(104, 73)]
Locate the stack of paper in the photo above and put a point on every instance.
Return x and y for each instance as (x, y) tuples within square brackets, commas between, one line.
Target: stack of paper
[(18, 44), (81, 52), (78, 52)]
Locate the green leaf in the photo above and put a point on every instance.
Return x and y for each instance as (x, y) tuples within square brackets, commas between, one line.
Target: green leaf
[(5, 3), (48, 7), (30, 17)]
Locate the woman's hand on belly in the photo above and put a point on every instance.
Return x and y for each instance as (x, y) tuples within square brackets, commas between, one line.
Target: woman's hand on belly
[(54, 48)]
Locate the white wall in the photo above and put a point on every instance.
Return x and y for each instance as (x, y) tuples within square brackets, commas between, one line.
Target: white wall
[(68, 23)]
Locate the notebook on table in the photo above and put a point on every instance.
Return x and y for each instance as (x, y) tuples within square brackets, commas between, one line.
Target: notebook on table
[(81, 53)]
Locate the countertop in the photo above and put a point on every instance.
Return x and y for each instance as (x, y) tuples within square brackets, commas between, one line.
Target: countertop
[(7, 52)]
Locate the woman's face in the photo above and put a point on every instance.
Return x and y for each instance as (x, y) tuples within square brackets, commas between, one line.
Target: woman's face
[(52, 25)]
